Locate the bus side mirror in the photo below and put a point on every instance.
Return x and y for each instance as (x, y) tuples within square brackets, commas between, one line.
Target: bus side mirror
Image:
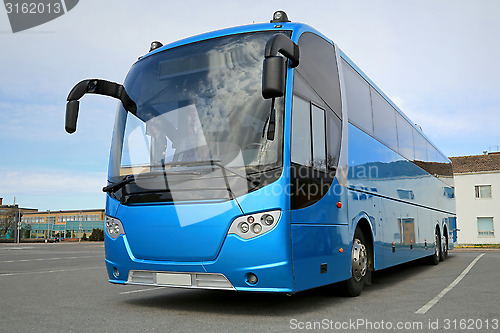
[(274, 68), (273, 77), (71, 116)]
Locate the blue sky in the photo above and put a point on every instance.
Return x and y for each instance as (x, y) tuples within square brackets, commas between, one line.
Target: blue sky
[(437, 60)]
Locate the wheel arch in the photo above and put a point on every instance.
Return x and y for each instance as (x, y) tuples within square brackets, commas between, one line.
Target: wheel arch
[(437, 228)]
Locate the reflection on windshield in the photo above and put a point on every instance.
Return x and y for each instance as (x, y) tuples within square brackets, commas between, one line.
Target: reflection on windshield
[(175, 136), (198, 102)]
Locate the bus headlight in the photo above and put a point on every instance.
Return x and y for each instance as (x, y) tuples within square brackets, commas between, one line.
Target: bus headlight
[(114, 227), (244, 227), (254, 225), (268, 219)]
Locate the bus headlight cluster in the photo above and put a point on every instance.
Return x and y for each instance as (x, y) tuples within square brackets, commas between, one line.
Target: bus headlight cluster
[(253, 225), (114, 227)]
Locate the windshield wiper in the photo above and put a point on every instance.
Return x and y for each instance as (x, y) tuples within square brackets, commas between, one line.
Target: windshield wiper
[(270, 123), (186, 163), (250, 179), (113, 187), (217, 163)]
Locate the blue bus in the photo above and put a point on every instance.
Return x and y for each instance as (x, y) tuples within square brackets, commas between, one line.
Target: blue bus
[(261, 158)]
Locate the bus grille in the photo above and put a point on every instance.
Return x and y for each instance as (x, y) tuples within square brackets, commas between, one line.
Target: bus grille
[(182, 280)]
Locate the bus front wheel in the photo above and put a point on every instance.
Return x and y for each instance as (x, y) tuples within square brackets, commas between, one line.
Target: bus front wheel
[(359, 265)]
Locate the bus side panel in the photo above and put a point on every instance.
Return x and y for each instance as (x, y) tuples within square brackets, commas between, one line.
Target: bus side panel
[(409, 199), (364, 206), (405, 226), (317, 259), (319, 232)]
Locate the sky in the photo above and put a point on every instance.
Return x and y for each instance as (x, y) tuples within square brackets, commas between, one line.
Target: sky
[(438, 60)]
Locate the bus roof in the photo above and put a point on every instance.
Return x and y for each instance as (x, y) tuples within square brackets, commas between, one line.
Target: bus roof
[(296, 28)]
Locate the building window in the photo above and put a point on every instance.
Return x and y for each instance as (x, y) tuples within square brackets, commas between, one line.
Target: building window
[(483, 191), (485, 227)]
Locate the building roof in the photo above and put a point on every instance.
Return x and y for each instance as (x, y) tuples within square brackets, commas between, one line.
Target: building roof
[(57, 212), (476, 163)]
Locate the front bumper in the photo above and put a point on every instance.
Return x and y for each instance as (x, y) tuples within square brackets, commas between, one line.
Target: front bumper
[(268, 257)]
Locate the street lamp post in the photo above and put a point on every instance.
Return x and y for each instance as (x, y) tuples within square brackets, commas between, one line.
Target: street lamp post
[(48, 230), (18, 239), (80, 229)]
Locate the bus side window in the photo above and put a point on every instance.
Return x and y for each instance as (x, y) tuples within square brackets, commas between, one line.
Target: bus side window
[(420, 147), (405, 138), (433, 154), (308, 134), (358, 99), (384, 120), (301, 132), (334, 131), (318, 137), (318, 70)]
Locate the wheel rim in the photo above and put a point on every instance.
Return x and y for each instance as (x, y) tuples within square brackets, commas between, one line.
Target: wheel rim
[(437, 247), (359, 260)]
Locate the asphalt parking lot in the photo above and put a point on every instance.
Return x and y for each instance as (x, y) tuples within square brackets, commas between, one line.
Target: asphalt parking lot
[(63, 287)]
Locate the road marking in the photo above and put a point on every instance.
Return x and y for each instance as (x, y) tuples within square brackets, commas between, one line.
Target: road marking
[(53, 271), (140, 290), (436, 299), (16, 248), (42, 259)]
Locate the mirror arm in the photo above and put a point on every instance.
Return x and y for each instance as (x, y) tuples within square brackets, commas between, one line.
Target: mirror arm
[(280, 43), (103, 87), (95, 86)]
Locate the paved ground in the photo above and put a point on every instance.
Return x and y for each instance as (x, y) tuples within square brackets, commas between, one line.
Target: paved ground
[(63, 287)]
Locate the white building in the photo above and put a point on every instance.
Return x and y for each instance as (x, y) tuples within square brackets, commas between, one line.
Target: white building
[(477, 191)]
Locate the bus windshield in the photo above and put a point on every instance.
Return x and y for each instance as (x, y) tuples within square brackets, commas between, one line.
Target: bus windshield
[(198, 103)]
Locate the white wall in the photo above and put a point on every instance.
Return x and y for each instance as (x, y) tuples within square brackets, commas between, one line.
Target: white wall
[(469, 208)]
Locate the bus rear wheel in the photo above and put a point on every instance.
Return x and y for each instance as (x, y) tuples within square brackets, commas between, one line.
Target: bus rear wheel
[(359, 265), (434, 259), (445, 245)]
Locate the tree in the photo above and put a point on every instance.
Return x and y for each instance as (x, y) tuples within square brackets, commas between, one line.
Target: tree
[(97, 235), (7, 222), (84, 237), (26, 231)]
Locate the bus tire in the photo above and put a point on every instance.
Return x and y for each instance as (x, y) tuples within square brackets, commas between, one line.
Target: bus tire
[(434, 259), (445, 245), (443, 250), (359, 265)]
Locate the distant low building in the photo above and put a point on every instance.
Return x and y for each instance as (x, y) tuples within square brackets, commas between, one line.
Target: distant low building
[(477, 191), (9, 216), (63, 224)]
